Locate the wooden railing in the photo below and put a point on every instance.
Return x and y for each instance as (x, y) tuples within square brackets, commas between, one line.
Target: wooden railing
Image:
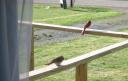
[(79, 62)]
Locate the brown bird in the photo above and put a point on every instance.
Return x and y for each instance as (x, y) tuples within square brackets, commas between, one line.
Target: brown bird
[(86, 26), (57, 61)]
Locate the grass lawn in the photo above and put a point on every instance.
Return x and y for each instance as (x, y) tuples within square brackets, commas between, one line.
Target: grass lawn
[(113, 67), (56, 15)]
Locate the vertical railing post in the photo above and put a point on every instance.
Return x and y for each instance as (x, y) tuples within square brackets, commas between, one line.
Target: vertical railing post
[(32, 52), (81, 72)]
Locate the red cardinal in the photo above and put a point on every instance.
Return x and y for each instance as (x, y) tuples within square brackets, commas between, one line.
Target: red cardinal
[(86, 26)]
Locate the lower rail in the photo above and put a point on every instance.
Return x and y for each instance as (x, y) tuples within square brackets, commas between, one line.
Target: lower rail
[(79, 62)]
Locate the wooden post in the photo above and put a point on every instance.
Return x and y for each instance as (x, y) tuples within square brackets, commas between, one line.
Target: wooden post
[(32, 52), (81, 72)]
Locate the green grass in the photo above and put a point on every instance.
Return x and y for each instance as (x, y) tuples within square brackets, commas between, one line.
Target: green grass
[(56, 15), (71, 48), (111, 67)]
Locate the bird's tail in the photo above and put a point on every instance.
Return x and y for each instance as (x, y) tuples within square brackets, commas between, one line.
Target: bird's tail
[(48, 63)]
